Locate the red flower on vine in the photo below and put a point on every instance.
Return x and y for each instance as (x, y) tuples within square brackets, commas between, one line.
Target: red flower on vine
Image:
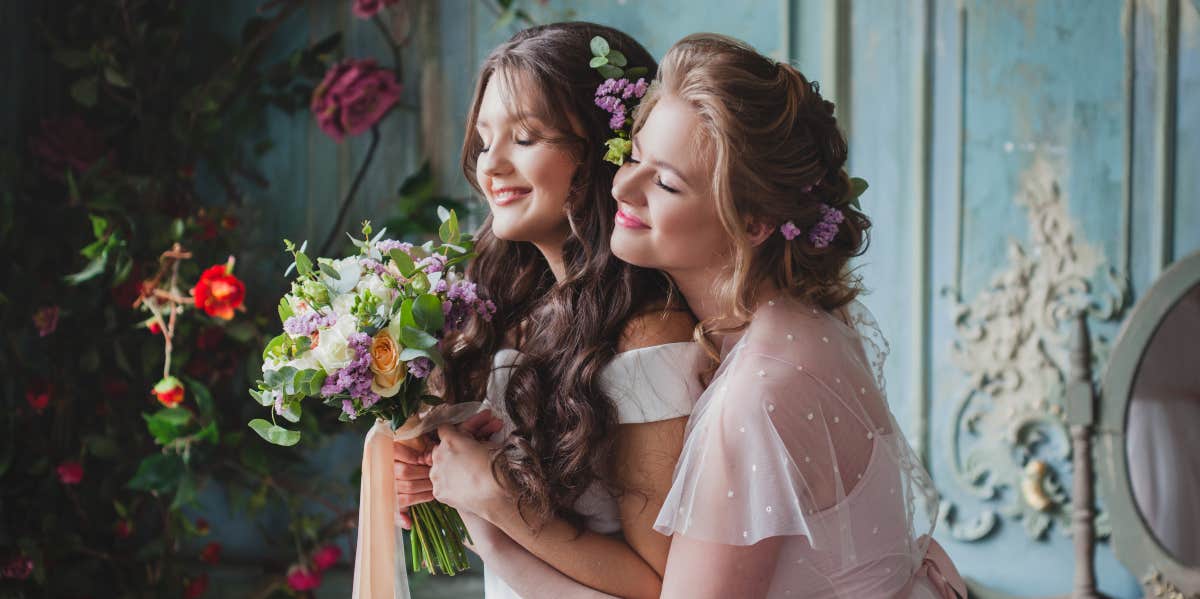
[(218, 292), (211, 553), (196, 587), (38, 395), (169, 391)]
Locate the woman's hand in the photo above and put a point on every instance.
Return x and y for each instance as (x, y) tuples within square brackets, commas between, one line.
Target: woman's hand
[(411, 468), (462, 474), (411, 460)]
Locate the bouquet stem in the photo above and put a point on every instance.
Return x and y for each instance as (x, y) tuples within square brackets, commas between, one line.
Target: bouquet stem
[(436, 541)]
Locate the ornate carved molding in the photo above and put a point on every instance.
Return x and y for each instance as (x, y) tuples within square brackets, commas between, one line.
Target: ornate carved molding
[(1158, 586), (1013, 344)]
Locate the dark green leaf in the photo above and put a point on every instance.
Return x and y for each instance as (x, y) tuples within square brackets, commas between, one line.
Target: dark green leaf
[(427, 312), (117, 79), (611, 72), (72, 59), (616, 58), (159, 473), (406, 313), (414, 337), (84, 91), (404, 263), (636, 72)]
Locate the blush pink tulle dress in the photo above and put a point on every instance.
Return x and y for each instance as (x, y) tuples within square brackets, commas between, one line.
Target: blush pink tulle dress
[(793, 438)]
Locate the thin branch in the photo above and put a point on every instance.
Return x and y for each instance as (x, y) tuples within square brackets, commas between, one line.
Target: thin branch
[(335, 232)]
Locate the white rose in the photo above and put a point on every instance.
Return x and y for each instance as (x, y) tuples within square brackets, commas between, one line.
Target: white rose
[(333, 350), (350, 270)]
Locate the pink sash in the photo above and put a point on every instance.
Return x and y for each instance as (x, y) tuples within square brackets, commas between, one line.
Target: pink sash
[(939, 570)]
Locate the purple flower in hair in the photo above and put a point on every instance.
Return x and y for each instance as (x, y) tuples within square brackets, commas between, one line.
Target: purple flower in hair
[(789, 230), (822, 234)]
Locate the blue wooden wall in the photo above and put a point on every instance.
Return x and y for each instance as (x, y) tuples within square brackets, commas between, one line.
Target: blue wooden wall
[(952, 107)]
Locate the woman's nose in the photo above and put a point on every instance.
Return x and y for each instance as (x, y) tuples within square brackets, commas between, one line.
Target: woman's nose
[(625, 185), (494, 162)]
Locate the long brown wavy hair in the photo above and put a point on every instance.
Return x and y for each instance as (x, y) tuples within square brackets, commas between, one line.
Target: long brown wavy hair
[(778, 156), (568, 330)]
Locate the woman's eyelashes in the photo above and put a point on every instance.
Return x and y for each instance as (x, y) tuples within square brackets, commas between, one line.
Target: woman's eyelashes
[(633, 159), (519, 141)]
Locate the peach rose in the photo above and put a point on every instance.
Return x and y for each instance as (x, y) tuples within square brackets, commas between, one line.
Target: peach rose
[(385, 363)]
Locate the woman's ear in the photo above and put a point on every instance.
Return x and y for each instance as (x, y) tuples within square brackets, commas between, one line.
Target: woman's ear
[(758, 232)]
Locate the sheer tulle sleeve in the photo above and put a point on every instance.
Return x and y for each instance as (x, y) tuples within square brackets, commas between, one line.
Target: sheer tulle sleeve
[(792, 428)]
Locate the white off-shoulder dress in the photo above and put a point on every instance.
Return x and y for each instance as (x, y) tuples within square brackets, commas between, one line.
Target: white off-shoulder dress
[(648, 384)]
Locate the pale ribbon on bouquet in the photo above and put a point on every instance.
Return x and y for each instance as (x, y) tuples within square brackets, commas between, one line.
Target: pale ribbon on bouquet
[(380, 571)]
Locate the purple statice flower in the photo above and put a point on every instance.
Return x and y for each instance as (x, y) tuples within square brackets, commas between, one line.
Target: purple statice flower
[(822, 233), (356, 378), (374, 265), (387, 245), (618, 120), (433, 263), (304, 325), (463, 300), (279, 403), (441, 286), (609, 103), (348, 408), (611, 87), (640, 88), (789, 230), (420, 367)]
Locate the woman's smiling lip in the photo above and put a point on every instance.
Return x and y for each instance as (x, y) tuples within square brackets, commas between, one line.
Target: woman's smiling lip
[(508, 195), (629, 221)]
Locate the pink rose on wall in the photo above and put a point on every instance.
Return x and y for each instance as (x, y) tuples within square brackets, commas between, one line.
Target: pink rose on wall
[(326, 557), (17, 568), (70, 473), (303, 579), (354, 95), (365, 9)]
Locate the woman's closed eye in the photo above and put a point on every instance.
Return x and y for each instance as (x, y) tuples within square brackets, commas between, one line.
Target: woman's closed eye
[(667, 188)]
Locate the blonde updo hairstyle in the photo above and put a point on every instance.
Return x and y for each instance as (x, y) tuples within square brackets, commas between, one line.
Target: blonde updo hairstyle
[(778, 156)]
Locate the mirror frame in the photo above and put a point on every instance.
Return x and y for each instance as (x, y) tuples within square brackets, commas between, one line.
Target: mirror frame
[(1133, 542)]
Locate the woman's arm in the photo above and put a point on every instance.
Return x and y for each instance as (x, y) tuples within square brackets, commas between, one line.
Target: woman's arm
[(698, 569), (462, 478), (524, 573)]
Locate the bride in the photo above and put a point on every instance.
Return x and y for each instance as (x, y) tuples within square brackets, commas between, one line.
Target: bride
[(588, 361)]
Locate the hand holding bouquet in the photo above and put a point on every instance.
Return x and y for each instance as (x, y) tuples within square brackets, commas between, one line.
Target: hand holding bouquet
[(361, 333)]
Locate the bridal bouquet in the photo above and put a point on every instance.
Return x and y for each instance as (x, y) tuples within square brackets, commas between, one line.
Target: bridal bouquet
[(361, 335)]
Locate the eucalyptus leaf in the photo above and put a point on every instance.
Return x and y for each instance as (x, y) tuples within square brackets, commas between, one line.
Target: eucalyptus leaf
[(599, 46), (404, 262), (274, 434), (330, 272), (597, 62), (616, 58), (427, 312), (611, 72), (414, 337)]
